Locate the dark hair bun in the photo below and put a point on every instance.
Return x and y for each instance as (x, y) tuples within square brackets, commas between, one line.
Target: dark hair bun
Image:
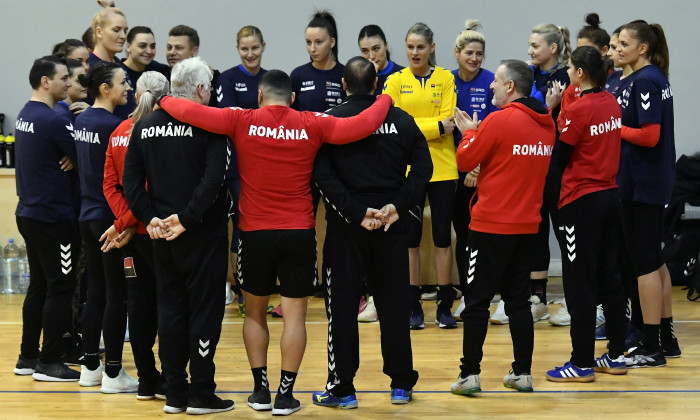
[(593, 20), (84, 79)]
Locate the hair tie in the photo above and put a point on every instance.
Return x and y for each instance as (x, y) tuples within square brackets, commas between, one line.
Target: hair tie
[(149, 91)]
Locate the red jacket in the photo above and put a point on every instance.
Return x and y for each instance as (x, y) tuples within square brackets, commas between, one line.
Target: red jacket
[(570, 96), (276, 147), (112, 184), (592, 126), (514, 147)]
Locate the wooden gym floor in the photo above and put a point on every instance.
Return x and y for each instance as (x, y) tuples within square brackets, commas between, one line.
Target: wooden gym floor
[(671, 392)]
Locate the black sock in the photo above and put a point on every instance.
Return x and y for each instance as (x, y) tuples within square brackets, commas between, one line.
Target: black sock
[(112, 369), (667, 333), (445, 296), (651, 337), (259, 378), (538, 287), (287, 380), (92, 360), (415, 296)]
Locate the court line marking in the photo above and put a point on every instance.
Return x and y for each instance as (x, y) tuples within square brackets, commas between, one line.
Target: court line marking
[(599, 391)]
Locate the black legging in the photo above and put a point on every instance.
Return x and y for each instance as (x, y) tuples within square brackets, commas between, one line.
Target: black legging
[(105, 309)]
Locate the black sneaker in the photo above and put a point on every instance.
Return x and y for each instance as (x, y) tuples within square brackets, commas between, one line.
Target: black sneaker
[(146, 391), (25, 365), (260, 400), (641, 357), (175, 404), (74, 355), (55, 372), (212, 405), (151, 390), (285, 405), (671, 348), (161, 389)]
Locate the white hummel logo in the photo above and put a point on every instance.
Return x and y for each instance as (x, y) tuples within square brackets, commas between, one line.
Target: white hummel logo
[(218, 90), (645, 100), (70, 126), (66, 262), (571, 245), (472, 264), (204, 350)]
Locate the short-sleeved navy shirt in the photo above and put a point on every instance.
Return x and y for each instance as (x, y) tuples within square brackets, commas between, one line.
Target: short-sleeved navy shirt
[(122, 111), (45, 191), (647, 173), (238, 88), (474, 96), (93, 129), (317, 90)]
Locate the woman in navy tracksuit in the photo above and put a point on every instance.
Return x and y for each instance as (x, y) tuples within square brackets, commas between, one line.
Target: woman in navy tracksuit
[(105, 308)]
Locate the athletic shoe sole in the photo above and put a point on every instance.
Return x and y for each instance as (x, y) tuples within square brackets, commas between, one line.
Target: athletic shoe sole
[(467, 391), (145, 397), (611, 371), (400, 400), (587, 378), (284, 411), (260, 407), (497, 321), (519, 389), (45, 378), (445, 326), (417, 327), (202, 410), (118, 391), (83, 383), (24, 371), (173, 410)]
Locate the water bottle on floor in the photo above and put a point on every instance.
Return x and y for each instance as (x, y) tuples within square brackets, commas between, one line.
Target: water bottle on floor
[(23, 269), (11, 254)]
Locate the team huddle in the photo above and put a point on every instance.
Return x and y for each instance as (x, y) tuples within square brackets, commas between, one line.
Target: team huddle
[(136, 168)]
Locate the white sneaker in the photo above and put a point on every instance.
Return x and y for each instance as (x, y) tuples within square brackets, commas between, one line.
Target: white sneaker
[(499, 317), (539, 310), (458, 312), (599, 316), (369, 313), (458, 292), (521, 383), (561, 318), (91, 377), (230, 296), (465, 386), (122, 383)]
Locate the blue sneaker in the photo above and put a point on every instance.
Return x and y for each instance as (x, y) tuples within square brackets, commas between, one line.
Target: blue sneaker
[(416, 321), (600, 333), (634, 336), (571, 373), (605, 364), (327, 399), (401, 396)]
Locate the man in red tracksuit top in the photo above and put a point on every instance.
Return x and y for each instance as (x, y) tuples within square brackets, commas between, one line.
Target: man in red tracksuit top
[(276, 147), (514, 147)]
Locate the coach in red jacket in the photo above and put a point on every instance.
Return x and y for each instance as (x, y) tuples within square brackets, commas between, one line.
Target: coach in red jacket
[(513, 146)]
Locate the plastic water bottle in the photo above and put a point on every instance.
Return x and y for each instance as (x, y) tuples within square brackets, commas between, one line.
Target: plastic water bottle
[(11, 267), (23, 269)]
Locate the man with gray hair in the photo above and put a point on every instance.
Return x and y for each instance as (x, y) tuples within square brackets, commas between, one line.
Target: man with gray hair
[(185, 210), (514, 147)]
